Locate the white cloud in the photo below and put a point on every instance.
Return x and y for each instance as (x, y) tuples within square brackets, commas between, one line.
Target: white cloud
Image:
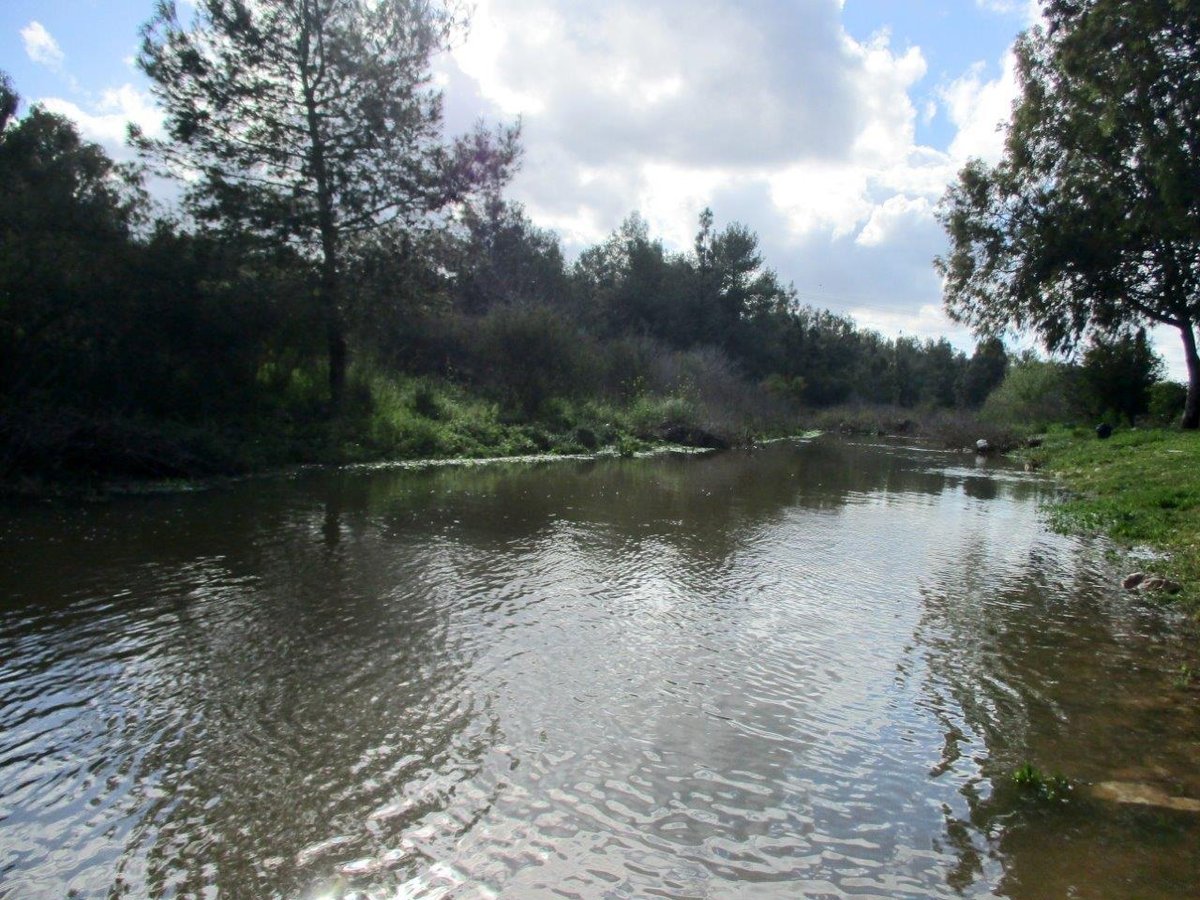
[(658, 107), (708, 83), (979, 107), (1029, 11), (40, 45), (770, 113), (894, 215), (928, 322), (106, 122)]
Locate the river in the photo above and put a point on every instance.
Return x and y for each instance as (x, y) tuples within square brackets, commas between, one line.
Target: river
[(806, 670)]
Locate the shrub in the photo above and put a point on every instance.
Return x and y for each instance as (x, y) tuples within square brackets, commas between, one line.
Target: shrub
[(527, 354), (1035, 393), (1166, 402)]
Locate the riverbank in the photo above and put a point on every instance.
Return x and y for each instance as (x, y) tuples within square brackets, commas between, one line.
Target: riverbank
[(398, 419), (1141, 488), (392, 419)]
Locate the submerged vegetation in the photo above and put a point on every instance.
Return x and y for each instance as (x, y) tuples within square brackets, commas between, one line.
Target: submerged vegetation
[(1037, 784)]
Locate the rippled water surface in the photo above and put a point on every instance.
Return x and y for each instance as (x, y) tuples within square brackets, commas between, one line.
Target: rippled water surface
[(803, 671)]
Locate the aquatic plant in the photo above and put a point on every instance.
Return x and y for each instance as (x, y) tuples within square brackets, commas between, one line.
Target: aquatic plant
[(1035, 783)]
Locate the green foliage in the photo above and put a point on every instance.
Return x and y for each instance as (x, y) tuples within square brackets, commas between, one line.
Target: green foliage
[(1142, 488), (1035, 393), (984, 372), (1118, 373), (1186, 677), (473, 336), (504, 259), (790, 388), (1166, 400), (312, 122), (1043, 787), (527, 354), (1090, 219)]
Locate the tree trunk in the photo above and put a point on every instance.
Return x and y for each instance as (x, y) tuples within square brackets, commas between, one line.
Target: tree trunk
[(330, 299), (335, 334), (1191, 407)]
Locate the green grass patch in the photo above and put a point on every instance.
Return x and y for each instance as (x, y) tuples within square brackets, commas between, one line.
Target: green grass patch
[(402, 417), (1140, 487)]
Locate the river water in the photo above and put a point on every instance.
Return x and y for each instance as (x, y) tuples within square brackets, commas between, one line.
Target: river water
[(807, 670)]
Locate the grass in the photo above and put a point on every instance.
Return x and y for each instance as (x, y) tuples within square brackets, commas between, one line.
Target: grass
[(387, 417), (1141, 487)]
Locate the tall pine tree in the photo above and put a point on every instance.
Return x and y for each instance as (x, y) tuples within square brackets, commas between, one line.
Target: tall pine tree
[(311, 121)]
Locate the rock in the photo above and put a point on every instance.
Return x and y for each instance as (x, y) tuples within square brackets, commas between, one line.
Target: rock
[(1159, 584), (1132, 580), (982, 446), (1137, 794), (1104, 431), (1033, 442), (1140, 581)]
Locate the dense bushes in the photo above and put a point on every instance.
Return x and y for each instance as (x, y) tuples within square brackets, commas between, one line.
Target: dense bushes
[(472, 336), (1037, 393)]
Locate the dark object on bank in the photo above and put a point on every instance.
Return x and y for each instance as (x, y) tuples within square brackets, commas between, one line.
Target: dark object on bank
[(691, 436), (1140, 581), (1104, 431)]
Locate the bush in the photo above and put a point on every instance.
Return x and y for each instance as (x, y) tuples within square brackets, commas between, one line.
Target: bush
[(525, 355), (1037, 394), (1166, 402)]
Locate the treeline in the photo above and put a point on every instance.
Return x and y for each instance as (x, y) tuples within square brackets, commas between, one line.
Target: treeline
[(111, 312), (135, 342)]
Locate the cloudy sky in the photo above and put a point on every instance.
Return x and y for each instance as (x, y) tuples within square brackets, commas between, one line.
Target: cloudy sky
[(830, 127)]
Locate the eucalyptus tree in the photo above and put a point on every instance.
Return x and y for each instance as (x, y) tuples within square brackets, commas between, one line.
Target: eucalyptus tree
[(1091, 220), (313, 121)]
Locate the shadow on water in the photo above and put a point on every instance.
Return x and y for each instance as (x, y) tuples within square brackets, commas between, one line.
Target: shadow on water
[(804, 670)]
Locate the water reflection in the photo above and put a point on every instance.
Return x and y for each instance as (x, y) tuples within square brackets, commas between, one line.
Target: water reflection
[(803, 670), (1033, 657)]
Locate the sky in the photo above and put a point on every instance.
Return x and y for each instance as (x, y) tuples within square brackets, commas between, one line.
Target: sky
[(829, 127)]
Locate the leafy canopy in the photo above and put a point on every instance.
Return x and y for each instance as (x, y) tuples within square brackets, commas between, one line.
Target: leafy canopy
[(304, 115), (1092, 217)]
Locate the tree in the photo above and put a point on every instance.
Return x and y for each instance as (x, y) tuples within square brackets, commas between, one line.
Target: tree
[(1035, 393), (1091, 220), (732, 286), (983, 372), (67, 216), (313, 121), (502, 258), (1117, 373), (8, 100)]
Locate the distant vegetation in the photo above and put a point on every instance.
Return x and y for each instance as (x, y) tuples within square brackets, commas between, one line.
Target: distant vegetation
[(136, 343), (341, 283)]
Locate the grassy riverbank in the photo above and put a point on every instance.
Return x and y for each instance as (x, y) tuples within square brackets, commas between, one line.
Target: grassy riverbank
[(387, 418), (1141, 488), (392, 417)]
